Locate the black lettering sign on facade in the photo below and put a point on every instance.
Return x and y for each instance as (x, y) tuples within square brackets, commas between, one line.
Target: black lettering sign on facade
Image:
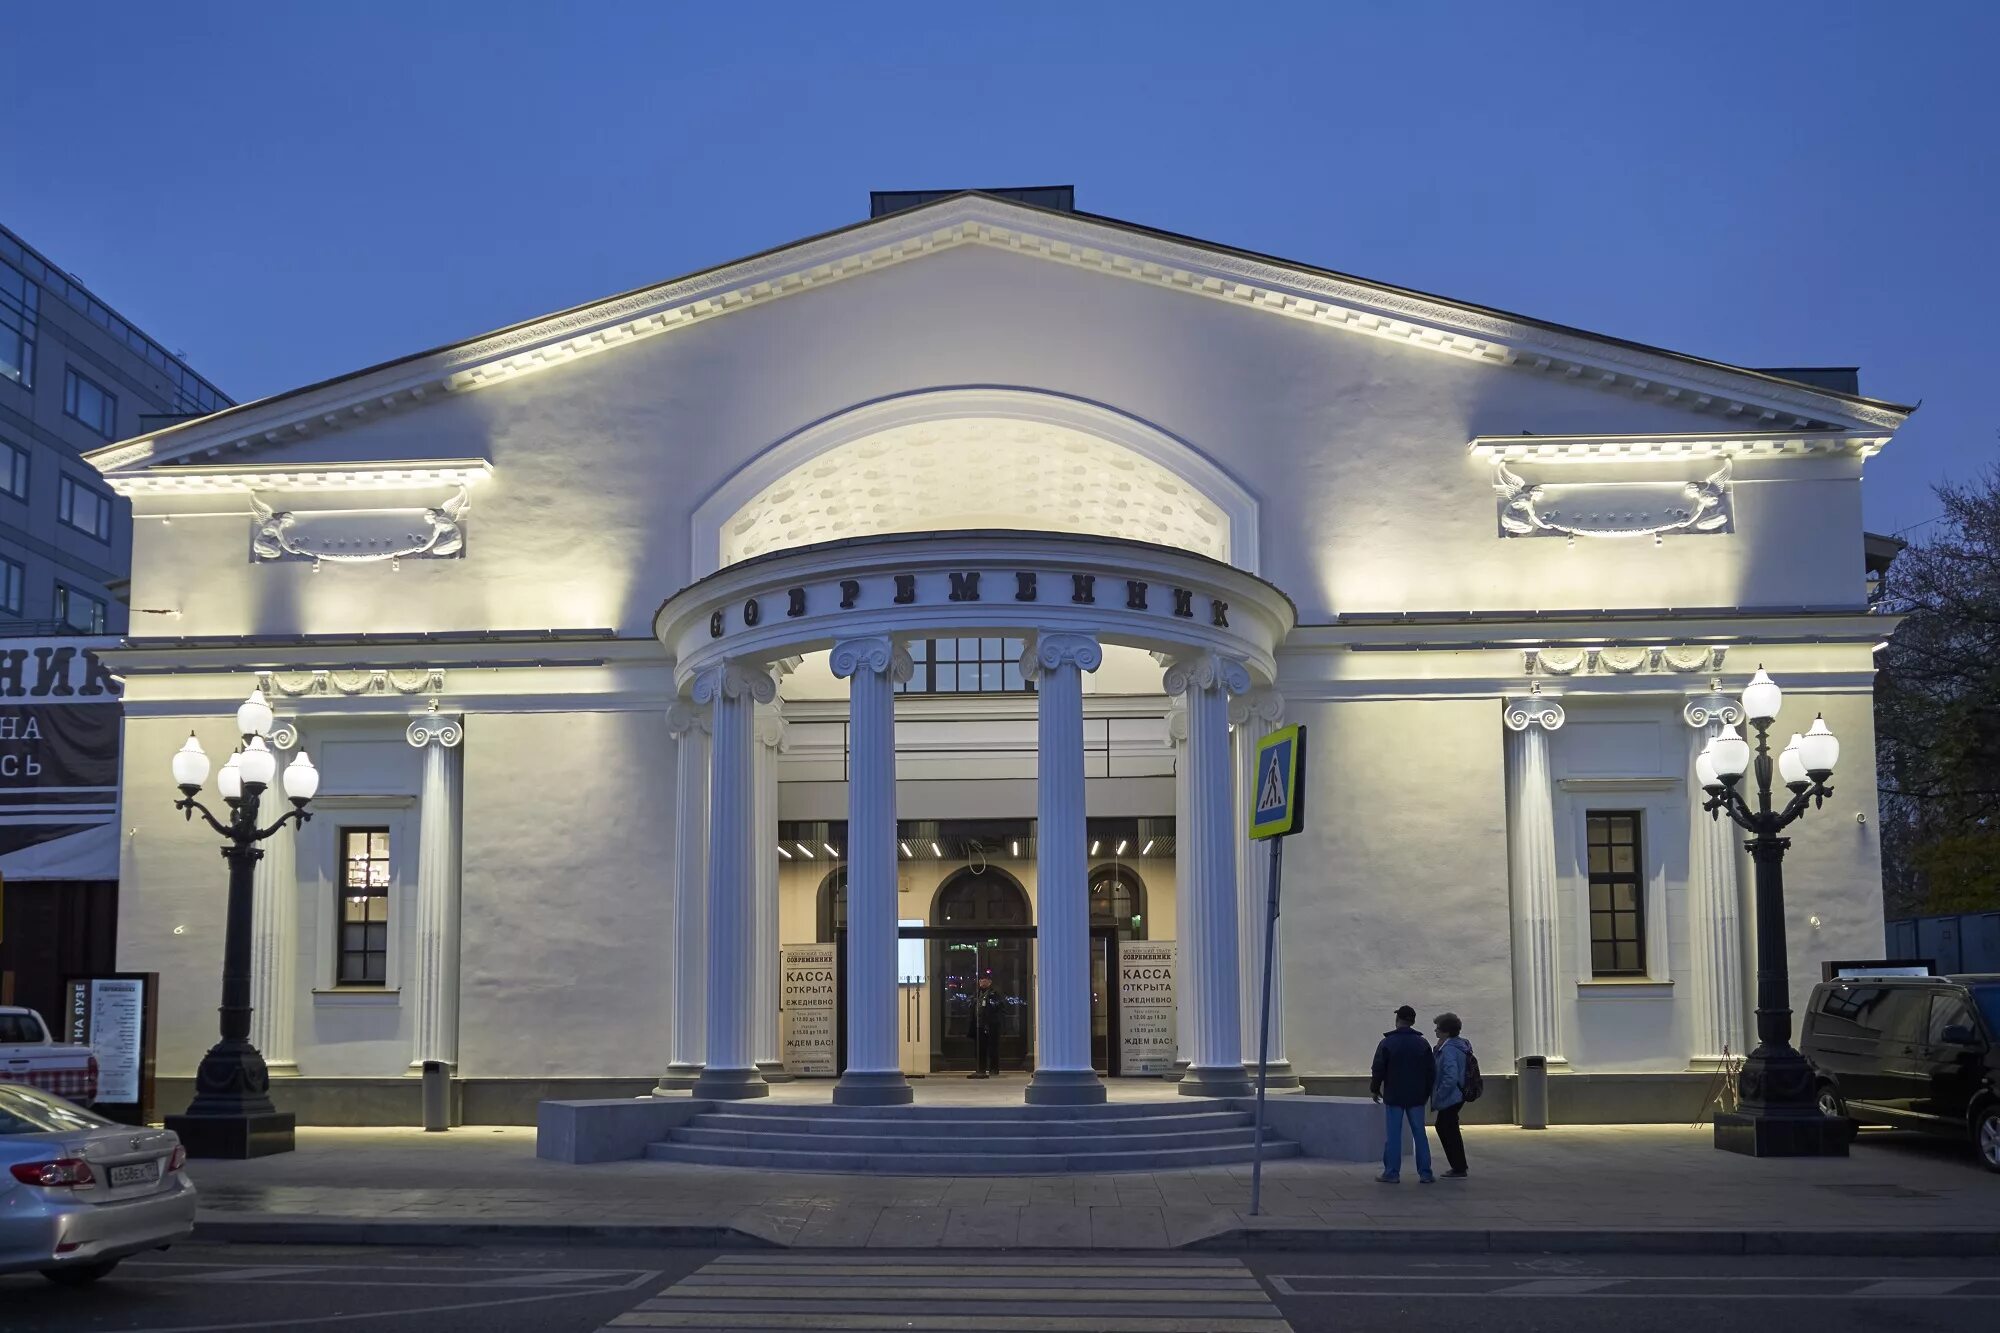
[(1083, 587), (964, 587), (795, 603), (715, 625), (56, 747), (1218, 613), (1024, 586), (1135, 595), (1184, 603), (906, 588), (850, 591), (752, 613)]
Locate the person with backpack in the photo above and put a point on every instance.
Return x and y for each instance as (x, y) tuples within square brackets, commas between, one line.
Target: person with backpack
[(1404, 1074), (1458, 1082)]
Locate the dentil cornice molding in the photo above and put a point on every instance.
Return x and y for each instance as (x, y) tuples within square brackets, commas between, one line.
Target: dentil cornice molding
[(1099, 245)]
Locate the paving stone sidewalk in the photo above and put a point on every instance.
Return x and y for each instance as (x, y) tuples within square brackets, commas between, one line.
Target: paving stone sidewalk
[(1631, 1187)]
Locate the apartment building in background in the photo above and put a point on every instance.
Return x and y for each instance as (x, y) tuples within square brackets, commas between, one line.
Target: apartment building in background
[(74, 376)]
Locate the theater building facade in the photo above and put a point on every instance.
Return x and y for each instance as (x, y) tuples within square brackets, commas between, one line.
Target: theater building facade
[(718, 683)]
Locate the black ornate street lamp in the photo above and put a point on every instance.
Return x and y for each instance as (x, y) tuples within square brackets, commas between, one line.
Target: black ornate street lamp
[(1777, 1112), (231, 1114)]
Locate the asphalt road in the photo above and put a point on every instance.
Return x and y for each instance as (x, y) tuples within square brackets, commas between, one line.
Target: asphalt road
[(197, 1288)]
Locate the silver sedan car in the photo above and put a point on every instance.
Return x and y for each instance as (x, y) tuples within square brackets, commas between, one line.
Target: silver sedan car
[(78, 1193)]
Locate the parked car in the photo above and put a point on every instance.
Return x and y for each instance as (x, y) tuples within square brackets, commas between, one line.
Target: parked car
[(78, 1193), (28, 1054), (1911, 1052)]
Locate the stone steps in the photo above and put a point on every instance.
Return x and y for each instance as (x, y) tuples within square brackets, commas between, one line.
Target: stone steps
[(967, 1140)]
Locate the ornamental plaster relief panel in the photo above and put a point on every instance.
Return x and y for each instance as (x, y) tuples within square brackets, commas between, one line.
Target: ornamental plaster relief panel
[(977, 473), (360, 536), (1613, 509), (1613, 660)]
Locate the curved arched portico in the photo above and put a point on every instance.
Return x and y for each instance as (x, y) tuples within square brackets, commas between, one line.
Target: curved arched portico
[(1215, 629)]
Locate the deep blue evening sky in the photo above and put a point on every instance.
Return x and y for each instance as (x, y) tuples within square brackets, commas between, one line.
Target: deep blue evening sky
[(290, 191)]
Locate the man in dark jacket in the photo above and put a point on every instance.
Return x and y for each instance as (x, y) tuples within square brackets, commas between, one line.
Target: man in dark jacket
[(988, 1009), (1404, 1073)]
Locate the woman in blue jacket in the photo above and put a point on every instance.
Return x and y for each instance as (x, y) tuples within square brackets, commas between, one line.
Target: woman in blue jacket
[(1448, 1097)]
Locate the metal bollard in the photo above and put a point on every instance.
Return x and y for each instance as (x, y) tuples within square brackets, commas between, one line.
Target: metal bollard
[(437, 1095), (1531, 1092)]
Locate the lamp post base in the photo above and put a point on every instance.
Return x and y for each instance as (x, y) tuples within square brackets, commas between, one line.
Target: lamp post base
[(1812, 1135), (235, 1137)]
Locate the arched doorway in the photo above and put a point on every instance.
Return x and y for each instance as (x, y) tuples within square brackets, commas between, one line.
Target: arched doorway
[(1118, 901), (830, 911), (981, 928)]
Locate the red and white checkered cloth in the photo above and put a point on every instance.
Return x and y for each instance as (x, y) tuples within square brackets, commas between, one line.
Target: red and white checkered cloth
[(77, 1085)]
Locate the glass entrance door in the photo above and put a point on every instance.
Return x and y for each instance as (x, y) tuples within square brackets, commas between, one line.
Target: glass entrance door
[(958, 960)]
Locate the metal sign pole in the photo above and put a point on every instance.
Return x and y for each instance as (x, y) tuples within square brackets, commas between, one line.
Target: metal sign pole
[(1264, 1026)]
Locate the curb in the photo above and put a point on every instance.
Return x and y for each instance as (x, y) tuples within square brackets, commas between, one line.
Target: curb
[(252, 1228)]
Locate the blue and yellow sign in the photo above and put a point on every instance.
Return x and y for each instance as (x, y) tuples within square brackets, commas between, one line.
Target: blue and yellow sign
[(1277, 802)]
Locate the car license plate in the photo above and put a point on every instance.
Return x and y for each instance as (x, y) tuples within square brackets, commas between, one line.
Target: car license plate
[(136, 1173)]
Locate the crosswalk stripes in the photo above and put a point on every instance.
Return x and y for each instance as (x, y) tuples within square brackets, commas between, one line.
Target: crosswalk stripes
[(1075, 1293)]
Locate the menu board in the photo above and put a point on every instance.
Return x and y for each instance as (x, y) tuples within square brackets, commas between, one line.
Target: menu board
[(809, 1008), (1146, 1006), (117, 1016)]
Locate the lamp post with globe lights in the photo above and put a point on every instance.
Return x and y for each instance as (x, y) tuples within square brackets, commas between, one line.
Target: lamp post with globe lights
[(232, 1114), (1777, 1113)]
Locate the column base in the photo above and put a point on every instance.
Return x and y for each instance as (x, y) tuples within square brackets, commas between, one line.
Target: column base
[(773, 1071), (679, 1078), (1217, 1081), (1177, 1073), (1783, 1135), (1281, 1074), (282, 1068), (1065, 1087), (235, 1137), (881, 1088), (730, 1085)]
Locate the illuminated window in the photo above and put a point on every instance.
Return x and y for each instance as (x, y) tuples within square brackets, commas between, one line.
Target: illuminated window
[(1617, 895), (967, 666), (362, 951), (91, 403), (79, 611)]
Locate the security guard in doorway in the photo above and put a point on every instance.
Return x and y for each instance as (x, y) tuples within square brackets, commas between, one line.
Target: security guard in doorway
[(987, 1008)]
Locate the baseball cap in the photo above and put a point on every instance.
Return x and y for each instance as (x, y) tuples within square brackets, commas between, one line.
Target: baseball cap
[(1406, 1014)]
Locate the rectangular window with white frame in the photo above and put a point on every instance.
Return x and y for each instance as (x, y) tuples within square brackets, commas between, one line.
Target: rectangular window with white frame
[(1617, 879), (83, 508), (361, 944)]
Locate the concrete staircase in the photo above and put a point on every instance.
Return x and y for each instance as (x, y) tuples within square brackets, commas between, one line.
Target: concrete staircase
[(969, 1140)]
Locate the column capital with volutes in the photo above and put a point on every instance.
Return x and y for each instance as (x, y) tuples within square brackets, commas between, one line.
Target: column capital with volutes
[(735, 678), (1534, 710), (1715, 706), (1206, 669), (877, 653), (771, 728), (684, 717), (1051, 651), (445, 729), (1263, 705)]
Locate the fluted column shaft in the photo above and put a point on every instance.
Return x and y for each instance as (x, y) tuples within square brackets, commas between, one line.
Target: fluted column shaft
[(872, 666), (1715, 896), (1252, 717), (770, 742), (434, 980), (1185, 927), (1531, 850), (274, 952), (1063, 1070), (732, 689), (1206, 680), (688, 724)]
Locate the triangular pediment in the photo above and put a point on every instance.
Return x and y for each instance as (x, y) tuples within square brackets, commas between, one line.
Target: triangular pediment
[(1737, 398)]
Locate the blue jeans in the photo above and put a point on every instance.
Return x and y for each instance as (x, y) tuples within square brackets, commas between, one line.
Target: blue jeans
[(1392, 1143)]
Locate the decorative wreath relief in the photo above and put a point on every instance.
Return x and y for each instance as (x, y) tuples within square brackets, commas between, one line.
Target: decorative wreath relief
[(1612, 509), (362, 536)]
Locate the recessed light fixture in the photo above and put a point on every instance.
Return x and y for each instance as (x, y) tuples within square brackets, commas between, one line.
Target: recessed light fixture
[(937, 851), (1121, 848), (906, 848), (1017, 846), (829, 850), (805, 851), (1147, 850), (1094, 845), (782, 852)]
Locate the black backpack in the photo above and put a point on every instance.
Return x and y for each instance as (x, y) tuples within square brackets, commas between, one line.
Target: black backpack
[(1473, 1084)]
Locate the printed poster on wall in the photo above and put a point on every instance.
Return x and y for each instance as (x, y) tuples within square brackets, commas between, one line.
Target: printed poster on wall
[(807, 1007), (1146, 1006), (117, 1016)]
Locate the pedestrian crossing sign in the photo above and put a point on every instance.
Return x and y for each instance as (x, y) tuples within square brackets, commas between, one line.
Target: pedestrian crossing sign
[(1277, 800)]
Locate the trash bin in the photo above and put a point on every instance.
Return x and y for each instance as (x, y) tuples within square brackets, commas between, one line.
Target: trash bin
[(437, 1095), (1531, 1092)]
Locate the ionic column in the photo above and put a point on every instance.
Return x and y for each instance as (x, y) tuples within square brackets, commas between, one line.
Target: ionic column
[(274, 943), (732, 689), (688, 724), (1206, 679), (1531, 859), (1185, 927), (770, 741), (1715, 896), (1251, 717), (874, 1076), (1063, 1071), (434, 980)]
